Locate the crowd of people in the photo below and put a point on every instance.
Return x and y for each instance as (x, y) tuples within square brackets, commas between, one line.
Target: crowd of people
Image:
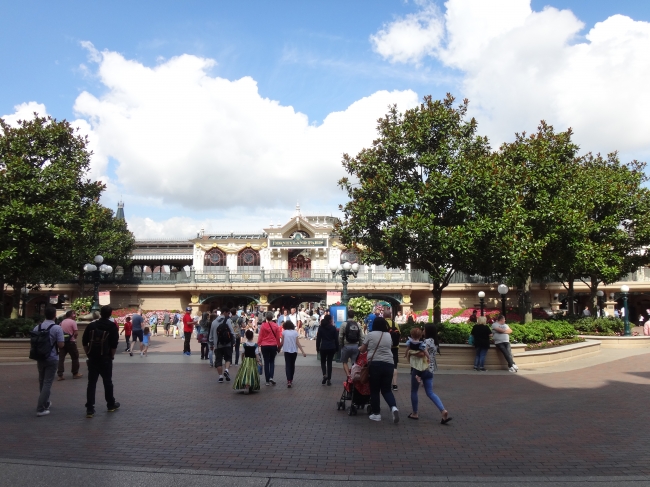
[(230, 333)]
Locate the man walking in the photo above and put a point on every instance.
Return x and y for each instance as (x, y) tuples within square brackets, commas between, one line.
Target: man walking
[(350, 336), (501, 334), (221, 341), (188, 328), (70, 332), (166, 323), (153, 324), (136, 331), (47, 358), (100, 344)]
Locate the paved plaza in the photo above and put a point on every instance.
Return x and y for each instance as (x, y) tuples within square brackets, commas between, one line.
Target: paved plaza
[(175, 417)]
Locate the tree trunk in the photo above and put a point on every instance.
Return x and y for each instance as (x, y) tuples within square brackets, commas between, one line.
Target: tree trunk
[(15, 308), (2, 297), (569, 303), (528, 304), (593, 298), (437, 303)]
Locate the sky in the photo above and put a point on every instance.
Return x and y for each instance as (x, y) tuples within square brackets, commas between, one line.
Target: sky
[(223, 115)]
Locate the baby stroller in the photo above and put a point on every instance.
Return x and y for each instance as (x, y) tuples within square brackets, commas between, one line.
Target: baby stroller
[(358, 394)]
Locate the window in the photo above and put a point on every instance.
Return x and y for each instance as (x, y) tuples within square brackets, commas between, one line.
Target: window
[(248, 259), (214, 260)]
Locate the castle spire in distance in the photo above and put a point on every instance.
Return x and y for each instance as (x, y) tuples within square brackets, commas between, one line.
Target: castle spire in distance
[(120, 210)]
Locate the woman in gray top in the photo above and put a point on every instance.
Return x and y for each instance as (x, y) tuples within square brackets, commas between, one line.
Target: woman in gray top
[(380, 359)]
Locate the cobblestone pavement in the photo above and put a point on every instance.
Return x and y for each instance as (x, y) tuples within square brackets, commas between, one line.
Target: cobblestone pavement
[(585, 422)]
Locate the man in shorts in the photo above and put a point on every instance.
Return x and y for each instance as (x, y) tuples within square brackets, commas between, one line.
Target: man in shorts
[(166, 323), (222, 347), (136, 330), (350, 336)]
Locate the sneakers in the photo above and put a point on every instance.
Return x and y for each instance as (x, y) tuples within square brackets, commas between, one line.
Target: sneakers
[(394, 387), (114, 408), (512, 369), (289, 384), (514, 366), (131, 353), (220, 379), (268, 383), (324, 381), (141, 354), (476, 368), (375, 417), (60, 378), (48, 405), (90, 413), (483, 369), (272, 381), (226, 374), (77, 376), (44, 412), (395, 412)]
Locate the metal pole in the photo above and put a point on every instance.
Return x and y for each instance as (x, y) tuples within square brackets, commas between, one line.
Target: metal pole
[(24, 305), (344, 278), (503, 304), (482, 305), (95, 306), (626, 318)]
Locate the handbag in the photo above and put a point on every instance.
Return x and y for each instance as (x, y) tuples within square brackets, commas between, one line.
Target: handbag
[(364, 375), (471, 340)]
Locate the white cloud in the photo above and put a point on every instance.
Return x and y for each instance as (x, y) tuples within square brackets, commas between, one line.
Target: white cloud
[(411, 38), (25, 111), (206, 142), (521, 66)]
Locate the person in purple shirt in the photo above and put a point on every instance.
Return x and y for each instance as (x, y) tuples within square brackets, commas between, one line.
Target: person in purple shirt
[(47, 367)]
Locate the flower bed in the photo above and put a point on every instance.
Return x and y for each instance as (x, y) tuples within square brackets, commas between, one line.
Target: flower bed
[(553, 343)]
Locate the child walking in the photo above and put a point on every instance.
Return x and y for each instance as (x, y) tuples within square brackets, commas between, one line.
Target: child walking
[(127, 333), (145, 341), (248, 376), (290, 343)]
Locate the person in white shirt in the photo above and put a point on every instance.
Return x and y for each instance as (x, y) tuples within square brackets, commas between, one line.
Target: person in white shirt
[(501, 335), (290, 343), (293, 316)]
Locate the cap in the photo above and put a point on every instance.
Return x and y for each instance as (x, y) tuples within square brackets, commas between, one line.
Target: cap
[(188, 309)]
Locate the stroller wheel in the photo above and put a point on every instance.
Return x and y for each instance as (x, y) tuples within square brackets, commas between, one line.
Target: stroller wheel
[(352, 411)]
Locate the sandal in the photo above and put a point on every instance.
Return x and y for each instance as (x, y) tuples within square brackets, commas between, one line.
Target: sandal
[(410, 416)]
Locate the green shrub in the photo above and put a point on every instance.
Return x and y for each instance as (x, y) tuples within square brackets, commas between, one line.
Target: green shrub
[(454, 332), (81, 306), (10, 328), (599, 326), (538, 331)]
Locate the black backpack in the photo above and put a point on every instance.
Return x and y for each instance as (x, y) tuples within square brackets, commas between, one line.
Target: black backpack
[(223, 333), (352, 332), (395, 335), (98, 344), (40, 343)]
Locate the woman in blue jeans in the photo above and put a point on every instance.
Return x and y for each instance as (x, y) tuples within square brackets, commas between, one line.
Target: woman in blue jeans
[(481, 333), (380, 359)]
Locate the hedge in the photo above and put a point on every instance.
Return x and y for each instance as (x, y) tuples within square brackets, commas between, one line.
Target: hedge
[(10, 327), (536, 332)]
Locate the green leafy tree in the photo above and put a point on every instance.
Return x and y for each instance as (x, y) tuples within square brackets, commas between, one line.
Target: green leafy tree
[(525, 206), (410, 199), (362, 306), (49, 209)]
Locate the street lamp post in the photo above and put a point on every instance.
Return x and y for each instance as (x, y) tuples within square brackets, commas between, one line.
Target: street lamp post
[(503, 290), (344, 270), (481, 298), (96, 273), (626, 319), (25, 293), (599, 298)]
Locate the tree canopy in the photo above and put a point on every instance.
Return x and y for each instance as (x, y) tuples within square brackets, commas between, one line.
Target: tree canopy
[(49, 209)]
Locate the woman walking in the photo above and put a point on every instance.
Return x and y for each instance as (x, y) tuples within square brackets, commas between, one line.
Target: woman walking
[(269, 342), (481, 334), (290, 343), (203, 333), (248, 379), (380, 358), (422, 374), (327, 343)]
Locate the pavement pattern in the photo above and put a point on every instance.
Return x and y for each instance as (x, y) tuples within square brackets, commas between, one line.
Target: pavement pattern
[(175, 416)]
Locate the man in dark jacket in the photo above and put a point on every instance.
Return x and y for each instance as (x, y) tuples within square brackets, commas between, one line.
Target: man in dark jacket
[(100, 343)]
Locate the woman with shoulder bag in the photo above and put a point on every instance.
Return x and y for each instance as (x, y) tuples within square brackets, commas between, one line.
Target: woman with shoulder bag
[(380, 359), (327, 343), (269, 343)]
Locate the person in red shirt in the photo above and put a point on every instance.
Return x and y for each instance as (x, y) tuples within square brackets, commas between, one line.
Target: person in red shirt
[(269, 343), (188, 328), (127, 333)]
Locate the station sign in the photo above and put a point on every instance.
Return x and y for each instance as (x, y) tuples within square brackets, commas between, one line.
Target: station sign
[(297, 242)]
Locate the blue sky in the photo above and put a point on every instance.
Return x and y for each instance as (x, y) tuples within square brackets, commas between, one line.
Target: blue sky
[(317, 57)]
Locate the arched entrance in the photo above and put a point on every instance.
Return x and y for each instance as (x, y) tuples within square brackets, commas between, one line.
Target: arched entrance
[(289, 301), (299, 264)]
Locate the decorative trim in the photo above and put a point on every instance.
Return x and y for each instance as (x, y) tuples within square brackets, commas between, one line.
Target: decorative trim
[(231, 248)]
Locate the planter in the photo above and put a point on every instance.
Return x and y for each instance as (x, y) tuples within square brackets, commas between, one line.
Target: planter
[(14, 350), (551, 356), (461, 357), (620, 341)]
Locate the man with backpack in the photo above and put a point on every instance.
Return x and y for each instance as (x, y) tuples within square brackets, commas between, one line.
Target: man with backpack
[(100, 344), (46, 341), (350, 336), (395, 335), (222, 339)]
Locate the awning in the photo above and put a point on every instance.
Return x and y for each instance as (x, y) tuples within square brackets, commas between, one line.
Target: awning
[(162, 257)]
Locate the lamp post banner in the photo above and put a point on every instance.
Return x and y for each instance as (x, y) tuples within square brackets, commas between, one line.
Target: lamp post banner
[(104, 298)]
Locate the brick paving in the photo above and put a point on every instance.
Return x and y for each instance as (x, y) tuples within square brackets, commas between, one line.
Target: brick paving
[(587, 422)]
